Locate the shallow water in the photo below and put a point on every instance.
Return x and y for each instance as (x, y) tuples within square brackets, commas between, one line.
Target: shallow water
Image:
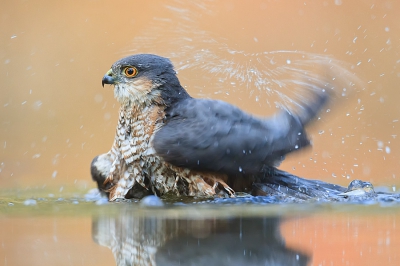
[(77, 231)]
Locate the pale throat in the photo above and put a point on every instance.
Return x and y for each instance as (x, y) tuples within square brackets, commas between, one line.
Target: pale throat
[(136, 95), (138, 111)]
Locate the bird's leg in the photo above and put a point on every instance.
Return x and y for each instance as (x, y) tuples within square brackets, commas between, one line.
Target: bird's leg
[(129, 176), (114, 176), (216, 181), (198, 187), (227, 188), (114, 172)]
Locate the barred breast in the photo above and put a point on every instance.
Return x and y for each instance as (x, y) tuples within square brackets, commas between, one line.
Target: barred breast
[(134, 161)]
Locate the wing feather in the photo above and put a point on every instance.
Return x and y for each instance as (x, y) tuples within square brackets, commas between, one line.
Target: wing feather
[(211, 135)]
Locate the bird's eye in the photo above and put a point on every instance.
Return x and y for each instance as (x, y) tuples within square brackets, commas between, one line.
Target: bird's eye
[(130, 72)]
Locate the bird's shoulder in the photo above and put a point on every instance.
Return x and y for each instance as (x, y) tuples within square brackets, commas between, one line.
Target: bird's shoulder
[(206, 110)]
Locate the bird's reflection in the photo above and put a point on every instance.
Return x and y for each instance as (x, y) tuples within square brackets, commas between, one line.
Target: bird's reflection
[(137, 240)]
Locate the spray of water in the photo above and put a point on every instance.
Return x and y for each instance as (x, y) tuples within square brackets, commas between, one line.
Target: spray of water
[(286, 79)]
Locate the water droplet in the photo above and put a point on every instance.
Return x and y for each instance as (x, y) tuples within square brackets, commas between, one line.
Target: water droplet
[(102, 201), (37, 105), (107, 116), (98, 98), (380, 144), (30, 202)]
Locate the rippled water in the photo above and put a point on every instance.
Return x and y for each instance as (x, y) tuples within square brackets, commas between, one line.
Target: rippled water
[(78, 231)]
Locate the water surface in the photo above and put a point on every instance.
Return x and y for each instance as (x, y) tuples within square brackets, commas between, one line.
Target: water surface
[(75, 232)]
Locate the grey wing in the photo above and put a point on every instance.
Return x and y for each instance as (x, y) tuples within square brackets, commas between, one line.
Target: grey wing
[(212, 135)]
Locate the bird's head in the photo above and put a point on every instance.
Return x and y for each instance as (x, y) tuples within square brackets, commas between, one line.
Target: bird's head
[(144, 79)]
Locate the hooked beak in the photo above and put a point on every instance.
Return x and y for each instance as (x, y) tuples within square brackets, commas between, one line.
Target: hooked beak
[(108, 78)]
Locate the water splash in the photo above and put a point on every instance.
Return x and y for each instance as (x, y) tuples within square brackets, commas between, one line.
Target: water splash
[(285, 78)]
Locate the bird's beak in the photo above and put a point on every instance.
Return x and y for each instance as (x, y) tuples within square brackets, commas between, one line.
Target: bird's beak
[(108, 78)]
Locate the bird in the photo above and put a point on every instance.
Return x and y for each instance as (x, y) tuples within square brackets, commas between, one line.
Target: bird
[(169, 143)]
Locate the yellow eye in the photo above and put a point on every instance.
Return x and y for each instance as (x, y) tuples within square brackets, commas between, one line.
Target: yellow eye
[(130, 72)]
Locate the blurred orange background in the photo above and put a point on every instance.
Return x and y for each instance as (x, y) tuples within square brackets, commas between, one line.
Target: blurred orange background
[(55, 116)]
